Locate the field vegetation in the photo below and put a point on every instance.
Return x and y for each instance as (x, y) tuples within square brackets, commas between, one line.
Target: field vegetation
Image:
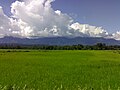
[(59, 70)]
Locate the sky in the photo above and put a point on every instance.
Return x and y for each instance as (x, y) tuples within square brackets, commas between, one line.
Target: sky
[(101, 17), (105, 13)]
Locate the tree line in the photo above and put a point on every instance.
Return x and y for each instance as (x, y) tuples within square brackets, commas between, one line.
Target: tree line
[(98, 46)]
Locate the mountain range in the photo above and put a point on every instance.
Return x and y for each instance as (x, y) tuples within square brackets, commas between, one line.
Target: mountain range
[(58, 41)]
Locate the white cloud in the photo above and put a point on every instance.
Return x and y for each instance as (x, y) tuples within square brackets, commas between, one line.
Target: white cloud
[(116, 35), (36, 18), (5, 26), (91, 31)]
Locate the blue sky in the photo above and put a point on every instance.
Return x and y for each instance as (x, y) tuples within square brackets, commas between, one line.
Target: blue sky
[(101, 13)]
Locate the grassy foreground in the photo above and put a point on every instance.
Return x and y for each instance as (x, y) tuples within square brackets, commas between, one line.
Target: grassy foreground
[(59, 70)]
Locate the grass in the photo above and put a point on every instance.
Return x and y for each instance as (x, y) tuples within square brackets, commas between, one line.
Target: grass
[(59, 70)]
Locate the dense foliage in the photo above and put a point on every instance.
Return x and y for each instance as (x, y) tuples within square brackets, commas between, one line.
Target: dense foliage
[(98, 46)]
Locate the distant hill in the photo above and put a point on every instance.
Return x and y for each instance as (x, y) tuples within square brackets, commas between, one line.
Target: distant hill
[(58, 41)]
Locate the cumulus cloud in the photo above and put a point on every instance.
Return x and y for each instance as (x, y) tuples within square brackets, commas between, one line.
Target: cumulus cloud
[(4, 23), (36, 18), (91, 31), (7, 27), (116, 35)]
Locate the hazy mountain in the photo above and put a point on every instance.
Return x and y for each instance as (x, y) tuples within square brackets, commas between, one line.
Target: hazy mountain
[(58, 41)]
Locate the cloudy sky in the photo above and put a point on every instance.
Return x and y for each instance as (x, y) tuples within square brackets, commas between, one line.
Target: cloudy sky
[(38, 18)]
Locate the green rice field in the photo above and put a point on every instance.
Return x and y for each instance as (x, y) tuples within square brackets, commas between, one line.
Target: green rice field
[(59, 70)]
